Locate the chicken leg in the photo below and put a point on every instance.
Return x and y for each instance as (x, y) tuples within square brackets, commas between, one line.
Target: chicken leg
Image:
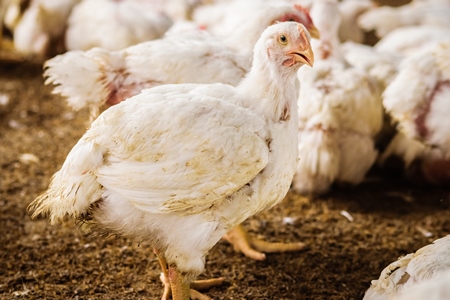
[(194, 285), (254, 248)]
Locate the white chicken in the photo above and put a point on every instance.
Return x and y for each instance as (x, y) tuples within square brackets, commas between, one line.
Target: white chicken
[(411, 39), (431, 289), (38, 31), (350, 10), (181, 165), (380, 65), (98, 76), (340, 112), (384, 19), (115, 25), (418, 100), (426, 264), (223, 19)]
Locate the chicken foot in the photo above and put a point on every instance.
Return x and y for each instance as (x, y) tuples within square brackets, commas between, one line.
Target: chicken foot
[(170, 276), (254, 248)]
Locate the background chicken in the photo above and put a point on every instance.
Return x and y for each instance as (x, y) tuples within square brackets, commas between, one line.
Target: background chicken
[(115, 25), (184, 202), (99, 76), (38, 28), (384, 19), (418, 101), (340, 112), (429, 263), (349, 29)]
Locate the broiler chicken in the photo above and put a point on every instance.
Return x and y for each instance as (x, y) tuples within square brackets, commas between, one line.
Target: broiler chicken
[(384, 19), (8, 13), (181, 165), (226, 19), (381, 66), (115, 25), (340, 113), (427, 264), (38, 30), (350, 10), (99, 76), (418, 101), (411, 39)]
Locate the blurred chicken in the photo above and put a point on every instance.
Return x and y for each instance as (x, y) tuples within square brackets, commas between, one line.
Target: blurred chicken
[(384, 19), (411, 39), (418, 101), (350, 10), (114, 25), (7, 18), (38, 29), (234, 22), (380, 65), (183, 182), (98, 76), (426, 264), (340, 112)]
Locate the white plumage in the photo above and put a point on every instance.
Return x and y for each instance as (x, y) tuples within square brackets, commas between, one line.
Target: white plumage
[(418, 101), (384, 19), (340, 112), (99, 76), (350, 10), (115, 25), (411, 39), (181, 165), (432, 289), (40, 29), (401, 279)]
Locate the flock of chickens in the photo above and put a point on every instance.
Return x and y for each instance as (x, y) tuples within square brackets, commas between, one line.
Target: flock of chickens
[(222, 118)]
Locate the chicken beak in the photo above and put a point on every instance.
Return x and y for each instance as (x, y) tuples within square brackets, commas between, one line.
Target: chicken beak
[(304, 56), (314, 32)]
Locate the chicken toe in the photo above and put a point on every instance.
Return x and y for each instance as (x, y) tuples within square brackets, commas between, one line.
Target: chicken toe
[(254, 248)]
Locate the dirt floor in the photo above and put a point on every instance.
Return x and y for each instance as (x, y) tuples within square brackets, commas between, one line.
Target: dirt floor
[(391, 218)]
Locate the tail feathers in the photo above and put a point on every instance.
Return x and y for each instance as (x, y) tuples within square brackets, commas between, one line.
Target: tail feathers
[(86, 78), (73, 188)]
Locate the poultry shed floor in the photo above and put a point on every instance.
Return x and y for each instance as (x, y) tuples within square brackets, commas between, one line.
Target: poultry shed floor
[(39, 261)]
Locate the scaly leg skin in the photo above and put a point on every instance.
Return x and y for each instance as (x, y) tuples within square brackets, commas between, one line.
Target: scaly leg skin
[(195, 285), (164, 275), (254, 248), (181, 287)]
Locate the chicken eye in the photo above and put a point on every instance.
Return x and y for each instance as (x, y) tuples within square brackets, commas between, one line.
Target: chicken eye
[(282, 39)]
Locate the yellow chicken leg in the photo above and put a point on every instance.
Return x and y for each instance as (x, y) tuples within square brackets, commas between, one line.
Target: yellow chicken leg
[(194, 286), (254, 248)]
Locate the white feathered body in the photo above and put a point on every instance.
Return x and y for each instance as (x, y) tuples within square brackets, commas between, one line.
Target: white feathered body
[(181, 165), (385, 19), (339, 115), (411, 39), (418, 101), (379, 65), (41, 26), (150, 167), (427, 263), (350, 10), (114, 25), (432, 289), (340, 112), (99, 76)]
